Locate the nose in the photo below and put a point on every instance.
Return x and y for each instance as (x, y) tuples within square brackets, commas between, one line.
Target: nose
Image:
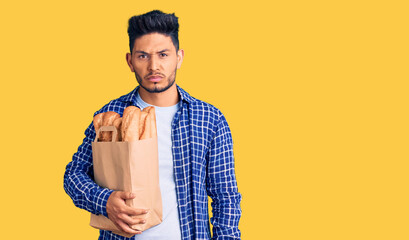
[(153, 64)]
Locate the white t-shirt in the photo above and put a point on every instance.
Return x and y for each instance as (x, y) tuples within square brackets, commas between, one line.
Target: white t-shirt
[(169, 229)]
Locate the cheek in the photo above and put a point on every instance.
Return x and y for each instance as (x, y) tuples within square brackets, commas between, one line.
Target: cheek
[(170, 66), (138, 68)]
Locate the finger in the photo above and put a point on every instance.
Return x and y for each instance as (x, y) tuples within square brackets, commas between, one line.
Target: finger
[(130, 211), (125, 227), (132, 220), (126, 195)]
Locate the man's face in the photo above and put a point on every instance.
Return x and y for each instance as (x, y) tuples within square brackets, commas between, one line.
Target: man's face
[(154, 61)]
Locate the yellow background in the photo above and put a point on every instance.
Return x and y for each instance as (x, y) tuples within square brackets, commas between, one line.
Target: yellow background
[(315, 92)]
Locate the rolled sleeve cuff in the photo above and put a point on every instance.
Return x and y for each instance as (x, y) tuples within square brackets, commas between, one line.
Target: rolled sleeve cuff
[(101, 201)]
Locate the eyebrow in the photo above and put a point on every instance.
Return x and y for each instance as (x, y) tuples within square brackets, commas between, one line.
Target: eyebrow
[(143, 52)]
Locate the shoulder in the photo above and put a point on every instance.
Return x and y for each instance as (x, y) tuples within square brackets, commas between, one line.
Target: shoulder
[(205, 108), (119, 104), (199, 107), (203, 113), (207, 118)]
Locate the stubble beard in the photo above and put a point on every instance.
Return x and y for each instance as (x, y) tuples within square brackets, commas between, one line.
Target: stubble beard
[(156, 88)]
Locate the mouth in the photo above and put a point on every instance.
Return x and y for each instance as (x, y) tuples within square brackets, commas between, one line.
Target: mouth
[(154, 78)]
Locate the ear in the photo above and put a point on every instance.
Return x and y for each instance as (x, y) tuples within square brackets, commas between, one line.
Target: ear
[(181, 54), (129, 61)]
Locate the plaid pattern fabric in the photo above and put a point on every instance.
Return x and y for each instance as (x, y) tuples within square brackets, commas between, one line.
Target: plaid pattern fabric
[(203, 166)]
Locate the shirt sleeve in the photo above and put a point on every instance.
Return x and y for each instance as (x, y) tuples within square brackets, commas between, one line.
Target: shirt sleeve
[(222, 186), (79, 180)]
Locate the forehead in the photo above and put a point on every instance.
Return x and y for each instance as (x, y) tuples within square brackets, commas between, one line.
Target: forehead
[(153, 42)]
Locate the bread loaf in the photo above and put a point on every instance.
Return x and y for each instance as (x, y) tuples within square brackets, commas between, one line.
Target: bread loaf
[(98, 122), (146, 126), (130, 125), (142, 121), (108, 120), (117, 125), (153, 122), (134, 124), (126, 118)]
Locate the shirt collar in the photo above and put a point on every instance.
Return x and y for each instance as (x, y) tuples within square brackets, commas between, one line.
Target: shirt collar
[(131, 97)]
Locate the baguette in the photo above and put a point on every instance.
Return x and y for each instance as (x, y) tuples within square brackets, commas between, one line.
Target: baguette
[(146, 126), (153, 122), (126, 117), (117, 125), (98, 122), (142, 123), (108, 120), (131, 125), (137, 124)]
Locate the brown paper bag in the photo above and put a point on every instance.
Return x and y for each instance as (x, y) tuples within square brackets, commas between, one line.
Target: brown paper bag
[(128, 166)]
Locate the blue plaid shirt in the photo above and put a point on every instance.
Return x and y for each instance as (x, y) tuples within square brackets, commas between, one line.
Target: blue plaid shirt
[(203, 166)]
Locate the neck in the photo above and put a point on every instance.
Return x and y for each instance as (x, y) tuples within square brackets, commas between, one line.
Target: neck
[(167, 98)]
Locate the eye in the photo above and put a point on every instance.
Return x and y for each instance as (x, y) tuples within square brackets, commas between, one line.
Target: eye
[(142, 56), (163, 54)]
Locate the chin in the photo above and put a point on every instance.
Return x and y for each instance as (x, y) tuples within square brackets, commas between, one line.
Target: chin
[(156, 87)]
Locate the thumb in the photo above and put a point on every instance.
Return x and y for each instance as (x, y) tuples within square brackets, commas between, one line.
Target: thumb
[(127, 195)]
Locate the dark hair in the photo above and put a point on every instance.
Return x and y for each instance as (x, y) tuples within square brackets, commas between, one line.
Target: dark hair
[(153, 22)]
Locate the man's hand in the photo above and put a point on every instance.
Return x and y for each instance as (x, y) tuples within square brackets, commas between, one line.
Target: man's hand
[(122, 215)]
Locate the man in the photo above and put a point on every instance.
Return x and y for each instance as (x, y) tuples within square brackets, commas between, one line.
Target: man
[(195, 147)]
